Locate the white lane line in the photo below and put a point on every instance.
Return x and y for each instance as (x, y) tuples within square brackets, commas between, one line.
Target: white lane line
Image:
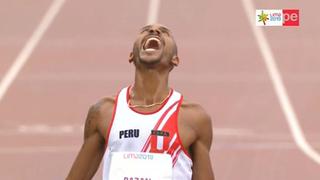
[(153, 12), (42, 129), (27, 50), (270, 146), (45, 129), (233, 132), (278, 85), (38, 149)]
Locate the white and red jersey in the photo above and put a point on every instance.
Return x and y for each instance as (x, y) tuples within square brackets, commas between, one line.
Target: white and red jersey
[(156, 132)]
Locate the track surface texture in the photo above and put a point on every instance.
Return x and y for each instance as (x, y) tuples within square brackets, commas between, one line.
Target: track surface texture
[(82, 56)]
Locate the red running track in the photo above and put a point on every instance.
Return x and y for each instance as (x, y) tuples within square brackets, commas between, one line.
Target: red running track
[(83, 57)]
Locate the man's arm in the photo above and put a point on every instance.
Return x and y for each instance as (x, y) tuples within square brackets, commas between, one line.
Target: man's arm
[(200, 149), (93, 147)]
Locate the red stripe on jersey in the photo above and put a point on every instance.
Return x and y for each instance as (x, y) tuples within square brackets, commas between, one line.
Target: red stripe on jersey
[(178, 138), (168, 127), (144, 149), (175, 158)]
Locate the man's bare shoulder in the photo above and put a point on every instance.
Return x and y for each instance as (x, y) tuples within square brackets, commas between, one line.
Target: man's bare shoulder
[(195, 115), (103, 106), (194, 109), (100, 115)]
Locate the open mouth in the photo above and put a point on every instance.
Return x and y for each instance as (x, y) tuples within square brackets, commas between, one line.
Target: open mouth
[(152, 44)]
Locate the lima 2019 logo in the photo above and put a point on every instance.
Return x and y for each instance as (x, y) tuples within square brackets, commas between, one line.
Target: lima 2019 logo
[(277, 17)]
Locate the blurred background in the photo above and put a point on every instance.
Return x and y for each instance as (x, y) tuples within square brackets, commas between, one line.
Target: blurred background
[(67, 54)]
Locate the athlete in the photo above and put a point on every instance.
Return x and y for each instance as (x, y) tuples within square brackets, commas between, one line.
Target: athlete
[(148, 116)]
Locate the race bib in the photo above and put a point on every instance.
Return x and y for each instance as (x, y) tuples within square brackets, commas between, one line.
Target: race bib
[(140, 166)]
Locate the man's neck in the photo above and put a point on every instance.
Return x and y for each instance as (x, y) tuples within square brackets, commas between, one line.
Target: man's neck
[(150, 87)]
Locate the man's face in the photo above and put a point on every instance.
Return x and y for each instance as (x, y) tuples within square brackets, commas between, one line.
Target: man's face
[(154, 44)]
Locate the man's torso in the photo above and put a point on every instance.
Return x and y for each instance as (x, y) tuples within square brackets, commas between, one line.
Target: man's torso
[(138, 129)]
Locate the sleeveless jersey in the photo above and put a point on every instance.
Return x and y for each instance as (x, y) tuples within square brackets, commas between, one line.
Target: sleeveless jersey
[(156, 132)]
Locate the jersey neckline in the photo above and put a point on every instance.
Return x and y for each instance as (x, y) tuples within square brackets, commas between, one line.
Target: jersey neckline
[(147, 113)]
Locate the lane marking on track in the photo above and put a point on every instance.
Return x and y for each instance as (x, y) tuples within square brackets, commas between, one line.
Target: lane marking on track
[(259, 146), (27, 50), (153, 12), (38, 149), (42, 129), (278, 85), (232, 132)]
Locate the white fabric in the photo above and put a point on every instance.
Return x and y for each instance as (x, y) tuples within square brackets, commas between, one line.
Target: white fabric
[(128, 124), (147, 166)]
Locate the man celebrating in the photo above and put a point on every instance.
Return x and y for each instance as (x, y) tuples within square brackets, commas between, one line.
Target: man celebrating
[(148, 117)]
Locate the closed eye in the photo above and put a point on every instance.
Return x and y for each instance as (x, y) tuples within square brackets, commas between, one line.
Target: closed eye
[(165, 30), (145, 29)]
